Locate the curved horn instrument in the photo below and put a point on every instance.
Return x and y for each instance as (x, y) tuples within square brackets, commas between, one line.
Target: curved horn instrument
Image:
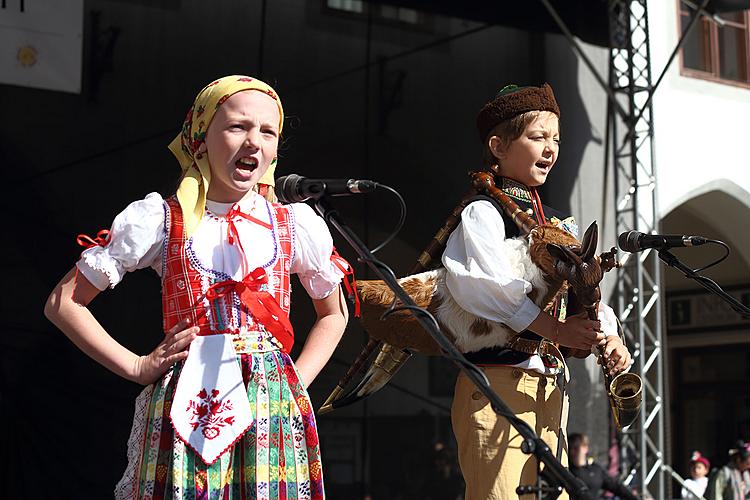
[(390, 358), (624, 391)]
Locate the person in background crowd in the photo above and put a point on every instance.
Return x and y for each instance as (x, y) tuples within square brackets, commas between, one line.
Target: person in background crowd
[(732, 482), (591, 473), (444, 481), (696, 485)]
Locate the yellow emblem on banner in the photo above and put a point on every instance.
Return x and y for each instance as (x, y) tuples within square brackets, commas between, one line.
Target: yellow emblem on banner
[(27, 56)]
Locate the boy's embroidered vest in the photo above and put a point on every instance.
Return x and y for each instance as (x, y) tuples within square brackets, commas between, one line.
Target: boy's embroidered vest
[(520, 194), (184, 284)]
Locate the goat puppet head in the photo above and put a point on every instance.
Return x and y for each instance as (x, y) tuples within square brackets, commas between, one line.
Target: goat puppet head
[(581, 267)]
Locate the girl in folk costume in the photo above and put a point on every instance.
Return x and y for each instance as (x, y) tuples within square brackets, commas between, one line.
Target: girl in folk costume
[(520, 132), (230, 416)]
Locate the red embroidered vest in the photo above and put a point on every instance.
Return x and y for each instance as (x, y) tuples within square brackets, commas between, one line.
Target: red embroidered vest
[(184, 282)]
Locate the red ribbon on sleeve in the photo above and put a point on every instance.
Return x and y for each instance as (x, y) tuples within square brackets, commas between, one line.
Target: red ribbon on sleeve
[(261, 304), (102, 238), (350, 282)]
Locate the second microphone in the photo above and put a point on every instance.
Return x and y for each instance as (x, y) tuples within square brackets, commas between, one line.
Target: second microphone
[(294, 188)]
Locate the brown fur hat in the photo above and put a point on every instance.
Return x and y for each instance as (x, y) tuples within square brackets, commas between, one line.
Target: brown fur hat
[(513, 100)]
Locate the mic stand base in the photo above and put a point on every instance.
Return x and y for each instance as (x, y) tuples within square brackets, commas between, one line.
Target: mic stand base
[(532, 444)]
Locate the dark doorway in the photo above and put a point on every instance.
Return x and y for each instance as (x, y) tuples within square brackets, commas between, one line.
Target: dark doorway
[(711, 401)]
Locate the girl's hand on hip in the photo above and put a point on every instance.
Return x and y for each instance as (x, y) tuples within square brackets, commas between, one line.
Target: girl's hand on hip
[(173, 348)]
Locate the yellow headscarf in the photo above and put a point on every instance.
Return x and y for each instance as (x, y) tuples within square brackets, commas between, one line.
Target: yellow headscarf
[(190, 145)]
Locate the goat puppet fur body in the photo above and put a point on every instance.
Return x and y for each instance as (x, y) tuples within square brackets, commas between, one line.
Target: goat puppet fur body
[(529, 257)]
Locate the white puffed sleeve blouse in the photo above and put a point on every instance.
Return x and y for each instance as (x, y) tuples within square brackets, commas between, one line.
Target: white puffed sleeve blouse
[(137, 238)]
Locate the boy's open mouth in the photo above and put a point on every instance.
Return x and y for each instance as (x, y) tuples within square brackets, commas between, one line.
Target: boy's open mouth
[(543, 165)]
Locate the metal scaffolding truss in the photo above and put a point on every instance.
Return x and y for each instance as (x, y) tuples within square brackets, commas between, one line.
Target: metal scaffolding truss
[(630, 141), (630, 121)]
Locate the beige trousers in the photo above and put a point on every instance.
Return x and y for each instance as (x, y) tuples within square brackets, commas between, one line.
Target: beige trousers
[(489, 449)]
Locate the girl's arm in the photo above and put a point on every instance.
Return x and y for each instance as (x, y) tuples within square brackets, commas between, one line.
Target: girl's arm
[(67, 308), (324, 335)]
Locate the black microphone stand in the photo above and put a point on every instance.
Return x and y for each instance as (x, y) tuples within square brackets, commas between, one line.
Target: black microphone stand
[(672, 261), (532, 444)]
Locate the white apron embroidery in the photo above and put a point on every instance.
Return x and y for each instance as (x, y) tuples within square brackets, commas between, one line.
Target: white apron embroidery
[(210, 410)]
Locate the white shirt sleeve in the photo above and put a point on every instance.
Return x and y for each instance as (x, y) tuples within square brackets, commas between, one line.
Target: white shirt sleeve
[(313, 247), (135, 242), (608, 319), (479, 277)]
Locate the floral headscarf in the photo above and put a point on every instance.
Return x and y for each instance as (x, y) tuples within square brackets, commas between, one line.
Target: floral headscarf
[(190, 145)]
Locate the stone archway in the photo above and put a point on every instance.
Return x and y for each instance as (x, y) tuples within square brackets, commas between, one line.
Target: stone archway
[(708, 344), (718, 210)]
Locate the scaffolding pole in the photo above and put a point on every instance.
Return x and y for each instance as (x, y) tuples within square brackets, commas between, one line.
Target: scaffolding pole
[(642, 445)]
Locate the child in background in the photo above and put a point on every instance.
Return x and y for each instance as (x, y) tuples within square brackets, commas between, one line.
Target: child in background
[(696, 485)]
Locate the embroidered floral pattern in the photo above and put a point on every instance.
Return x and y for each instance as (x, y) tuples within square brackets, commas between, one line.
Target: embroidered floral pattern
[(516, 190), (197, 145), (223, 99), (210, 413), (280, 452)]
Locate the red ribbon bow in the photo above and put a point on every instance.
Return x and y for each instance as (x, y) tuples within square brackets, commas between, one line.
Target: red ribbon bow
[(261, 304), (350, 282), (232, 233), (102, 238)]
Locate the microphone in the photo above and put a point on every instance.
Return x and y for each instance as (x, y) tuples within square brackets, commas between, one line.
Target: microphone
[(634, 241), (294, 188)]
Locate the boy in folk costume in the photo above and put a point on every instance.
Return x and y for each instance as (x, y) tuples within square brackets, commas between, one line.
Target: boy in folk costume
[(230, 417), (519, 130)]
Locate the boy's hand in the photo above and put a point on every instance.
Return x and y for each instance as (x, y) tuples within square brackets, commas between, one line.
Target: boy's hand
[(615, 357), (172, 348), (579, 332)]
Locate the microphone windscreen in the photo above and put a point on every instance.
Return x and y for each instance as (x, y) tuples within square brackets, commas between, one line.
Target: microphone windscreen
[(286, 188), (628, 241)]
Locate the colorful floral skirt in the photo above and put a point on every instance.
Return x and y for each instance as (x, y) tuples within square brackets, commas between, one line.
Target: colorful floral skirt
[(277, 458)]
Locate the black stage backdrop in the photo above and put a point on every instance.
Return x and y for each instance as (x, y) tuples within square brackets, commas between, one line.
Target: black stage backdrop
[(366, 95)]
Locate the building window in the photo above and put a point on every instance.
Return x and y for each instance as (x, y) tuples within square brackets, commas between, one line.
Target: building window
[(353, 6), (717, 49), (382, 13)]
